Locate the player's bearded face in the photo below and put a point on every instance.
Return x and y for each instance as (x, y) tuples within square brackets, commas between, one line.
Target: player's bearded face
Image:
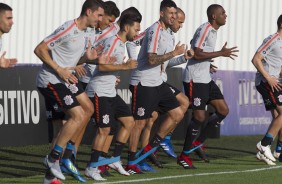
[(133, 31), (168, 16)]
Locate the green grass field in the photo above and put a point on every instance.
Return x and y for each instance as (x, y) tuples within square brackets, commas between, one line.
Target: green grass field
[(232, 161)]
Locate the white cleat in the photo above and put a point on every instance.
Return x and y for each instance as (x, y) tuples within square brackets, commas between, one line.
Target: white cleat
[(276, 154), (54, 168), (261, 157), (118, 167), (265, 150), (94, 173)]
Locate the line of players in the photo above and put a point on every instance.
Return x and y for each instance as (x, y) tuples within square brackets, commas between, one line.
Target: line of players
[(96, 39)]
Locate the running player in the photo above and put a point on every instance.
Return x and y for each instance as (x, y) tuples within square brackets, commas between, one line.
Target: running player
[(109, 106), (268, 62), (157, 47), (198, 85), (60, 52)]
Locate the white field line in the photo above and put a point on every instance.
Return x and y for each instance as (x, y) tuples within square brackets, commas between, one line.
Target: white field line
[(190, 175)]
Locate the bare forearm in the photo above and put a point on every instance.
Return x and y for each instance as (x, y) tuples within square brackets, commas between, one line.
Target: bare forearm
[(155, 59), (112, 68), (207, 55)]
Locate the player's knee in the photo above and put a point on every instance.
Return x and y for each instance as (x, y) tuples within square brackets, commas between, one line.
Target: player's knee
[(140, 124), (104, 131), (89, 110), (177, 114), (200, 118)]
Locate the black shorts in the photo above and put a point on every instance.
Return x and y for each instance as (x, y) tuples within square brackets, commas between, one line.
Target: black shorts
[(270, 98), (146, 100), (61, 94), (108, 109), (173, 89), (201, 94)]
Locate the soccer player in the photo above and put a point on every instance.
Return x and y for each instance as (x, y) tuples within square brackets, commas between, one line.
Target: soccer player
[(268, 62), (151, 92), (6, 22), (183, 100), (109, 106), (60, 52), (198, 85)]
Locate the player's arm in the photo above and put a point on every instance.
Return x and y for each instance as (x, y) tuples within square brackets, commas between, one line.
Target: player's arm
[(155, 59), (272, 81), (42, 52), (129, 65), (188, 54), (225, 52)]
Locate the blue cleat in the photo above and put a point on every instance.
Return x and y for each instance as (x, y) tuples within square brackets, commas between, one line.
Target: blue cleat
[(65, 170), (67, 163), (144, 166), (168, 148)]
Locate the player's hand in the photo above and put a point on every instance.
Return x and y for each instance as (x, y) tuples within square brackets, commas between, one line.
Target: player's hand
[(80, 70), (7, 63), (105, 59), (229, 52), (131, 64), (99, 49), (274, 83), (67, 75), (179, 49), (188, 54), (117, 80), (213, 69), (91, 53)]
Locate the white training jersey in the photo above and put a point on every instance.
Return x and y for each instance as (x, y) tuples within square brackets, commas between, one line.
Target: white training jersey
[(155, 41), (103, 83), (199, 71), (67, 44), (271, 50), (99, 39)]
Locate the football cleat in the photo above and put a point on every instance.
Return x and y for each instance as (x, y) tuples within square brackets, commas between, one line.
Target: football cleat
[(67, 163), (168, 148), (185, 161), (54, 168), (94, 173), (133, 169), (200, 151), (263, 158), (144, 166), (276, 154), (104, 171), (153, 158), (265, 150), (118, 167)]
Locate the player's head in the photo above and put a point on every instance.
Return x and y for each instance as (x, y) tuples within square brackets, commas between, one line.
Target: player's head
[(279, 23), (131, 11), (178, 23), (93, 10), (111, 12), (131, 26), (216, 15), (6, 18), (168, 12)]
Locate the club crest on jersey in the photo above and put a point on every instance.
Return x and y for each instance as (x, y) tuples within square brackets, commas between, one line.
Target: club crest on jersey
[(68, 100), (106, 119), (280, 98), (197, 102), (141, 111), (56, 107), (73, 88)]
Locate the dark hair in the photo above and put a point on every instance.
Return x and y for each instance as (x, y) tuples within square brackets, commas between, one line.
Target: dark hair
[(279, 22), (110, 8), (91, 4), (131, 11), (167, 4), (128, 20), (211, 10), (5, 7)]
